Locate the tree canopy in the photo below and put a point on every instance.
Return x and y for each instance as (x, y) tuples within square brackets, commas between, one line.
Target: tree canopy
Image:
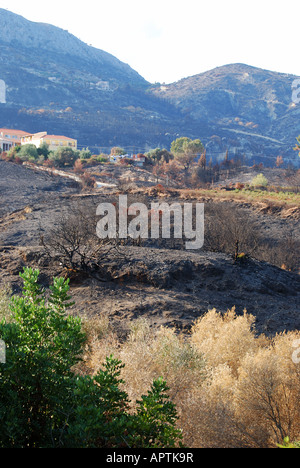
[(186, 150), (160, 155)]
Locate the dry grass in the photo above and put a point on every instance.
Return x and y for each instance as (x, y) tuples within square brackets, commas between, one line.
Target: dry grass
[(232, 387), (279, 199)]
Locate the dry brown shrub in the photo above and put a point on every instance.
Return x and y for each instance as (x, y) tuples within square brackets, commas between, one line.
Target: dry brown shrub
[(231, 387), (224, 338), (208, 415), (5, 294), (148, 355), (101, 342), (251, 397), (267, 393)]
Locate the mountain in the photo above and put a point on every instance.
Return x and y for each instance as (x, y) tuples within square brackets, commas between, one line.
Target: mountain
[(57, 83), (49, 40), (253, 109)]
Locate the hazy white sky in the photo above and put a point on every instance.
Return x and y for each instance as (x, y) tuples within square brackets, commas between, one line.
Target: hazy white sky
[(166, 40)]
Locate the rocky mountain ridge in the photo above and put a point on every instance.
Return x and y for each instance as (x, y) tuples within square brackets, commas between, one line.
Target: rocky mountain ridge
[(56, 83), (254, 109), (19, 32)]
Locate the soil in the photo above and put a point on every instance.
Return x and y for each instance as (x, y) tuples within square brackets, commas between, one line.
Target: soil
[(165, 285)]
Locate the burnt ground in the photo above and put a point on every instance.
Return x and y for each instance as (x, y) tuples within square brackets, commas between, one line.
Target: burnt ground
[(20, 186), (168, 286)]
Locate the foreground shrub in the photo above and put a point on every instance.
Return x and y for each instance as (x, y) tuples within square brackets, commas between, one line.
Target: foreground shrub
[(36, 382), (232, 386), (251, 397), (228, 385), (44, 403)]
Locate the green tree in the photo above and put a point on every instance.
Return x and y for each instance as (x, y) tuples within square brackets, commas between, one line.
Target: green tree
[(36, 382), (64, 157), (28, 153), (43, 150), (186, 150), (117, 151), (43, 403), (85, 153), (160, 155), (156, 419), (101, 412)]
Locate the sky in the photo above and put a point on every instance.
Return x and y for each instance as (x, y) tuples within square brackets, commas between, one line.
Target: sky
[(167, 40)]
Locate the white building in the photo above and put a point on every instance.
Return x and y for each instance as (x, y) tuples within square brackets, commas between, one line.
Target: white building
[(53, 141), (10, 138)]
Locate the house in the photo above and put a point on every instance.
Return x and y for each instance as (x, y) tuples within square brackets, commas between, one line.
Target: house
[(10, 138), (53, 141), (139, 159)]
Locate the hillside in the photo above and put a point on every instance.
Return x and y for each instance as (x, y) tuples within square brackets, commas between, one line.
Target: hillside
[(47, 39), (251, 108), (165, 285), (57, 83)]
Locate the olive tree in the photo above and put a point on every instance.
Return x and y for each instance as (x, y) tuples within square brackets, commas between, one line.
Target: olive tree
[(186, 150)]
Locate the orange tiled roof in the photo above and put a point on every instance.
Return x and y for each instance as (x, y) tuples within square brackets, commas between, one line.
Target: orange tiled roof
[(57, 137), (9, 131)]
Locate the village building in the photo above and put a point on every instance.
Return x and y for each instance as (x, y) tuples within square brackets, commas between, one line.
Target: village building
[(139, 159), (10, 138), (54, 142)]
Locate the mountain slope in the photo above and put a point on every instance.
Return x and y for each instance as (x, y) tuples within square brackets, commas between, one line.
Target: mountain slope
[(18, 32), (56, 83), (252, 108)]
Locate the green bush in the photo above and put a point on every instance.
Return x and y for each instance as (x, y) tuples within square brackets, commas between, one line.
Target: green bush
[(85, 153), (102, 158), (43, 403), (28, 153), (259, 181), (64, 157), (288, 444)]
